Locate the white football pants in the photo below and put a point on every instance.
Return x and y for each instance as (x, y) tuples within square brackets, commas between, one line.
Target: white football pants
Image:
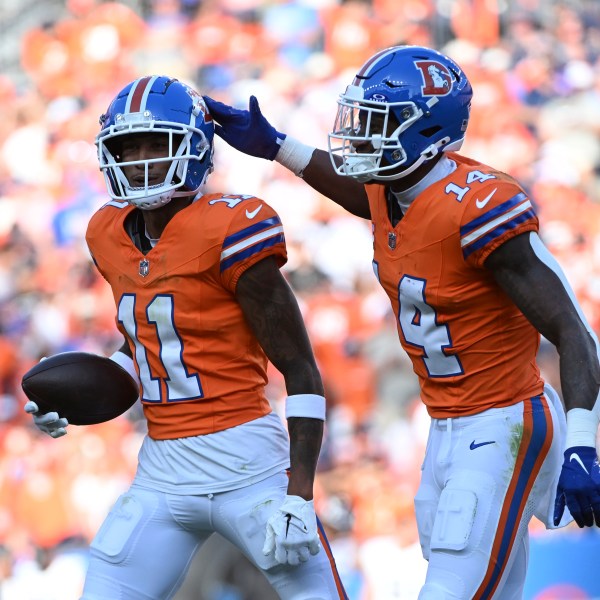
[(143, 549), (483, 478)]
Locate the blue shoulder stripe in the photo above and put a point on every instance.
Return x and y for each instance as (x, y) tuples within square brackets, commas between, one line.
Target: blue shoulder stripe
[(234, 238), (251, 250), (491, 214), (497, 232)]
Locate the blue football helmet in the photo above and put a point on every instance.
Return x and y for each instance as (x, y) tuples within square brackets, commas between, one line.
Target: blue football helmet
[(405, 106), (157, 104)]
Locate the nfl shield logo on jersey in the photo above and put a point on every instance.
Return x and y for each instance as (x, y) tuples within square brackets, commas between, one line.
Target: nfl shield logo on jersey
[(144, 267), (392, 240)]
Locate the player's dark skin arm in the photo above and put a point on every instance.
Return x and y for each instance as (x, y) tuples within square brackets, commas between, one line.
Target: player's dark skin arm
[(345, 191), (125, 349), (542, 298), (272, 312)]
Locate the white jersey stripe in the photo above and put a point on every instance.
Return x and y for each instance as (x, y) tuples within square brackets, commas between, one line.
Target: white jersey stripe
[(467, 239), (259, 237)]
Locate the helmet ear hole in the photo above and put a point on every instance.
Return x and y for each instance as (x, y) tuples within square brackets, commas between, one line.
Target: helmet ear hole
[(430, 131)]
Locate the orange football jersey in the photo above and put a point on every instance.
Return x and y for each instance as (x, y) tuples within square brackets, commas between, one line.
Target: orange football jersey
[(469, 344), (201, 368)]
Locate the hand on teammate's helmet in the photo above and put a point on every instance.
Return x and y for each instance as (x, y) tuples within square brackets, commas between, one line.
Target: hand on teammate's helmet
[(579, 487), (49, 423), (246, 130), (292, 534)]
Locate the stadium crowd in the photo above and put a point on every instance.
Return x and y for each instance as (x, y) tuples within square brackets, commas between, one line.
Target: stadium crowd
[(535, 68)]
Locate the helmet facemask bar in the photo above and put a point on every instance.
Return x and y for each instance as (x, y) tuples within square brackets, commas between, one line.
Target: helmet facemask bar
[(366, 123), (179, 154)]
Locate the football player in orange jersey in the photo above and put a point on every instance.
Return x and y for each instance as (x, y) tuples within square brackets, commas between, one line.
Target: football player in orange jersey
[(202, 305), (456, 248)]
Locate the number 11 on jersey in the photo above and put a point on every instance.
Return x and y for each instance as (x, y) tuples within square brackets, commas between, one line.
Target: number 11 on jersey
[(179, 383)]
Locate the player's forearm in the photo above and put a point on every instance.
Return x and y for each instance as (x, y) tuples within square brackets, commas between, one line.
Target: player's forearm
[(306, 436), (345, 191), (579, 371), (579, 375), (125, 349), (534, 280), (314, 166), (580, 383)]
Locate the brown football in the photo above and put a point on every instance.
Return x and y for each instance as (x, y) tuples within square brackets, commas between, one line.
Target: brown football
[(84, 388)]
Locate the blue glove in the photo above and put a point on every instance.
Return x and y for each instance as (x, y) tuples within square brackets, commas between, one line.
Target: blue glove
[(246, 130), (579, 487)]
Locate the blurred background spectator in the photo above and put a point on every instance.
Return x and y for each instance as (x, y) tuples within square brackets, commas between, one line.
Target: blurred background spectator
[(535, 68)]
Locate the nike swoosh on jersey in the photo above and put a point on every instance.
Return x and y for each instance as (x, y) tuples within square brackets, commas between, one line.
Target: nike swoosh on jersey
[(482, 203), (253, 213), (495, 222), (474, 445), (251, 240), (577, 459)]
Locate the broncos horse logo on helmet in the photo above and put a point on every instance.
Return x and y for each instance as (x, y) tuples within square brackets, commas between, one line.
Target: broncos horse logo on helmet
[(159, 105), (405, 106)]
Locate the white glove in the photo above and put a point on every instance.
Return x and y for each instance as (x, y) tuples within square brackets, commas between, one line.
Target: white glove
[(49, 423), (292, 532)]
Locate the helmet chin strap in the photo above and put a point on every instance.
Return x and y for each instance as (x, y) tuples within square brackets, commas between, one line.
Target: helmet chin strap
[(153, 201), (427, 154), (358, 167)]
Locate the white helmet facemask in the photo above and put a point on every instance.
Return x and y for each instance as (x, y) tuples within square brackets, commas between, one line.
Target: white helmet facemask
[(405, 106), (361, 122), (179, 154)]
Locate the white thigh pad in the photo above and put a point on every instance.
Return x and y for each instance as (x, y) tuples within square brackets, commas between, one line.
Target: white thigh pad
[(426, 502), (454, 519), (118, 527), (243, 514), (251, 525)]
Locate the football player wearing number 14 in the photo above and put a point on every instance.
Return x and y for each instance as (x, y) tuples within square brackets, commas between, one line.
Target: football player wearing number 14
[(202, 305), (456, 248)]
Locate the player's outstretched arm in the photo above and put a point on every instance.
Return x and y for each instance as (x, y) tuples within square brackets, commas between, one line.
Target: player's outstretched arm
[(249, 132), (530, 275), (272, 312)]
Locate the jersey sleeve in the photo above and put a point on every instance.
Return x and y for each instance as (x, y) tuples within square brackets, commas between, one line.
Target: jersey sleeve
[(92, 234), (494, 214), (255, 232)]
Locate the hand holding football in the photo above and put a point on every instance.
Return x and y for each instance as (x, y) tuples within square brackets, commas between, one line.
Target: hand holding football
[(82, 387)]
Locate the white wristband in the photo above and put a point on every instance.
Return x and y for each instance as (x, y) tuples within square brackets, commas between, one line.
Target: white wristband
[(311, 406), (582, 427), (294, 155), (127, 363)]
